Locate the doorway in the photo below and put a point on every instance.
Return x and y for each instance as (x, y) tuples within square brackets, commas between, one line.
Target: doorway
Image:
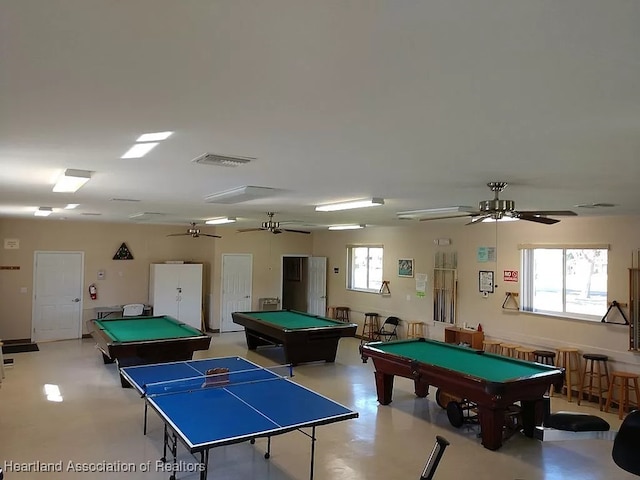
[(57, 296), (304, 284)]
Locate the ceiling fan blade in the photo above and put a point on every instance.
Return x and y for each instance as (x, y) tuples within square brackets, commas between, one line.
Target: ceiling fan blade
[(241, 230), (276, 231), (177, 234), (207, 235), (536, 218), (469, 214), (478, 219), (566, 213), (296, 231)]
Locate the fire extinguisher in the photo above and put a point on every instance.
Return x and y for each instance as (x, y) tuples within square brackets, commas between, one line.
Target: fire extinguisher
[(93, 291)]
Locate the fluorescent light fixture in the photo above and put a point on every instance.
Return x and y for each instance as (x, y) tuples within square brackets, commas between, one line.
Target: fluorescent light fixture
[(220, 221), (71, 206), (434, 211), (373, 202), (71, 180), (139, 150), (154, 137), (240, 194), (346, 227), (43, 212)]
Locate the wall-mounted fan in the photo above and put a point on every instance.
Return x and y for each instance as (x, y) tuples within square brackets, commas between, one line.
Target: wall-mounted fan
[(271, 226), (194, 232), (496, 209)]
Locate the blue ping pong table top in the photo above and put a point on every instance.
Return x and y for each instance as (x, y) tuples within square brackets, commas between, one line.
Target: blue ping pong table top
[(255, 403)]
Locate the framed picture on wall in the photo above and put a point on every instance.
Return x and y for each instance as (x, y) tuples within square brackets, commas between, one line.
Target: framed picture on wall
[(405, 267)]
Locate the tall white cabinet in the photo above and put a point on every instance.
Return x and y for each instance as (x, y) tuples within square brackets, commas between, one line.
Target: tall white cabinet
[(176, 290)]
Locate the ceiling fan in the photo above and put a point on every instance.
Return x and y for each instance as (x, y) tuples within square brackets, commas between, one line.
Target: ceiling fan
[(271, 226), (497, 209), (194, 232)]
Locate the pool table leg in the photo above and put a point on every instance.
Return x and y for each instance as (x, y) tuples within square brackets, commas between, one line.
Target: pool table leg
[(106, 359), (384, 387), (491, 426), (533, 412)]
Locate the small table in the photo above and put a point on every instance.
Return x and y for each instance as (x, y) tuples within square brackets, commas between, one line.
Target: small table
[(104, 312), (305, 337), (144, 340), (492, 382)]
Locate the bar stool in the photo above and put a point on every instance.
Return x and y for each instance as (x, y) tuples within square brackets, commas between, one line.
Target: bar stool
[(415, 330), (524, 353), (546, 357), (370, 326), (491, 346), (623, 401), (331, 312), (569, 359), (342, 314), (595, 367), (508, 349)]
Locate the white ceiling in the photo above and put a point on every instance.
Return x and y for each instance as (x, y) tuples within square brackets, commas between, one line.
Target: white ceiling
[(418, 102)]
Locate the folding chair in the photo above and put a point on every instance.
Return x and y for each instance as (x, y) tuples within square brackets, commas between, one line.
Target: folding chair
[(132, 310), (388, 330)]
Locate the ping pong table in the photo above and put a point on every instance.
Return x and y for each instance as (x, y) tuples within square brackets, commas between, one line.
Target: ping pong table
[(204, 410)]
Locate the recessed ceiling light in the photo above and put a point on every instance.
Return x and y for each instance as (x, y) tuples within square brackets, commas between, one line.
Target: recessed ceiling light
[(139, 150), (372, 202), (220, 221), (43, 212), (71, 206), (154, 137), (71, 180)]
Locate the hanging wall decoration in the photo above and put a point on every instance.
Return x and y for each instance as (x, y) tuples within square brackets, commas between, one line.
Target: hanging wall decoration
[(123, 253)]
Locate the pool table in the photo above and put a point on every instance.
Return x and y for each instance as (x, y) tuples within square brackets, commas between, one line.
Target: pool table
[(143, 340), (305, 337), (492, 382)]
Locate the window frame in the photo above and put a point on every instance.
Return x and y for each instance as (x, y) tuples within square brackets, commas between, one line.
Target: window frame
[(527, 283), (350, 267)]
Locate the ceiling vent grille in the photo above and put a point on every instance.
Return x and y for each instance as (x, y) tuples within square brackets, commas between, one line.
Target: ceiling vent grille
[(221, 160)]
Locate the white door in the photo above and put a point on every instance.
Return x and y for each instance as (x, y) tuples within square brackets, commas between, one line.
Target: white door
[(317, 285), (57, 296), (237, 271)]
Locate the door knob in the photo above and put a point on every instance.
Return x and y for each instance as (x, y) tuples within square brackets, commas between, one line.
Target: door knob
[(76, 300)]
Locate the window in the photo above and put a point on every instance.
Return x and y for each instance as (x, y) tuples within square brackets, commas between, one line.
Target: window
[(365, 268), (571, 282)]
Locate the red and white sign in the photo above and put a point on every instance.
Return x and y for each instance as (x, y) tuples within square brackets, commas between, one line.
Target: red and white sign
[(510, 276)]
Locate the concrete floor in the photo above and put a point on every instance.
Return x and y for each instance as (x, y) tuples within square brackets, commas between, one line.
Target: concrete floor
[(99, 423)]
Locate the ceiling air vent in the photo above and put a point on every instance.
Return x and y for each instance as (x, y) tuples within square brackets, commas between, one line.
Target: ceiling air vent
[(221, 160)]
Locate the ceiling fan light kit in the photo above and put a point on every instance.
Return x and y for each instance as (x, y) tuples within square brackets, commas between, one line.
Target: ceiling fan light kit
[(193, 232), (272, 227)]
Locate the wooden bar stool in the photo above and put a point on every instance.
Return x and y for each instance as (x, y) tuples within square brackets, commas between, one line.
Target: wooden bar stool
[(524, 353), (415, 330), (623, 401), (546, 357), (508, 349), (342, 314), (595, 369), (331, 312), (370, 326), (569, 359), (491, 346)]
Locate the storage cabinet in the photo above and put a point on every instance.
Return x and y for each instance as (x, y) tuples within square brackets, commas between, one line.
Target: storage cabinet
[(176, 290), (462, 335)]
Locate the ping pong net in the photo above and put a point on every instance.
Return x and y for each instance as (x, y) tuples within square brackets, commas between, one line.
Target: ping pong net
[(215, 378)]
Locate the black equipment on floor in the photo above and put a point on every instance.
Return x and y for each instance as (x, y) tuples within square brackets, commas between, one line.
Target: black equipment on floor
[(434, 458)]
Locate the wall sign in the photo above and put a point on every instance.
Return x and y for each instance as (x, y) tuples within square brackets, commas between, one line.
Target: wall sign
[(510, 275), (485, 281), (11, 243)]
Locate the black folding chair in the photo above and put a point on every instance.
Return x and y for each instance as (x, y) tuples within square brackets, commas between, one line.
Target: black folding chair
[(388, 330), (627, 444)]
